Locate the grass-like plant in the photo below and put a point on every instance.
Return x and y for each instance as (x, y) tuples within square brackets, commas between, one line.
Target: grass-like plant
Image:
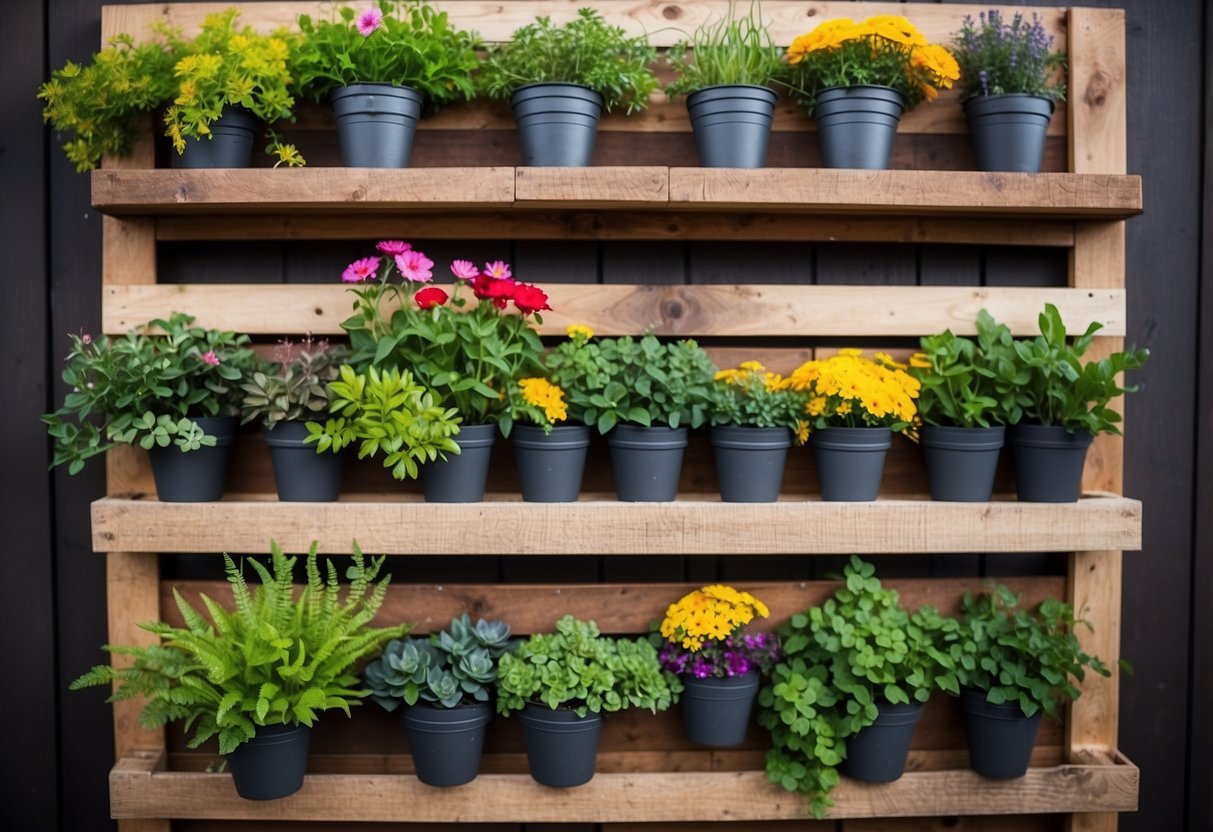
[(726, 50)]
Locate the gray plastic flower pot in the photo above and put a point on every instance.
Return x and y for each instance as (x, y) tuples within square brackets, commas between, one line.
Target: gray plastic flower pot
[(300, 474), (230, 145), (461, 478), (446, 742), (877, 753), (1048, 462), (272, 764), (750, 462), (961, 462), (850, 462), (557, 124), (194, 476), (1008, 131), (856, 125), (376, 124), (716, 712), (561, 747), (550, 466), (732, 125), (1000, 737), (647, 462)]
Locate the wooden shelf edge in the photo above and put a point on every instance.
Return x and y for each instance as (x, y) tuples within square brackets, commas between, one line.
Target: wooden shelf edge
[(140, 789), (605, 527)]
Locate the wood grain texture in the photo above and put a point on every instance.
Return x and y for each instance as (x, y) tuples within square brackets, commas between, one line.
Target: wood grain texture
[(741, 310), (1097, 99), (604, 526), (604, 187)]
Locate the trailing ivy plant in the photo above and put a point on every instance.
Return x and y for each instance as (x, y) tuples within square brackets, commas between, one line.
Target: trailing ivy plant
[(858, 648), (969, 383), (271, 660), (730, 49)]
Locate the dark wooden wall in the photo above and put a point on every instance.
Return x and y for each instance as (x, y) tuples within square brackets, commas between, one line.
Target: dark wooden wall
[(52, 588)]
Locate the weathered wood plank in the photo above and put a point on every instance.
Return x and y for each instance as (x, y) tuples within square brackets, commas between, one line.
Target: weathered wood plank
[(753, 310), (604, 187), (604, 526)]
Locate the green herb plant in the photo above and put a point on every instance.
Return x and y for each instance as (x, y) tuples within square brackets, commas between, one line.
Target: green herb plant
[(998, 57), (726, 50), (859, 648), (587, 51), (272, 660), (965, 382), (453, 667), (294, 387), (578, 669)]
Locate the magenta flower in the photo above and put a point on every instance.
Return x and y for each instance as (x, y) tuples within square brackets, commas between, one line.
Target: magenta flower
[(369, 21), (498, 270), (394, 247), (210, 358), (415, 266), (361, 271), (463, 269)]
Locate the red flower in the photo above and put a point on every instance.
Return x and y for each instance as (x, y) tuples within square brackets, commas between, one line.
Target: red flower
[(431, 296), (498, 290), (530, 298)]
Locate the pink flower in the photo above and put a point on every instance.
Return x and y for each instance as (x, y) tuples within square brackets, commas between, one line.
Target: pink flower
[(415, 266), (210, 358), (430, 296), (361, 271), (86, 338), (369, 21), (498, 270), (463, 269), (394, 247)]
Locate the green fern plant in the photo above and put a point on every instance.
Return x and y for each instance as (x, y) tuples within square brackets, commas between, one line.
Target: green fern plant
[(272, 660)]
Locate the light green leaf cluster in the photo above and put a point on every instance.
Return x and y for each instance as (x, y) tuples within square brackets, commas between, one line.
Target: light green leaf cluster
[(731, 49), (294, 386), (967, 383)]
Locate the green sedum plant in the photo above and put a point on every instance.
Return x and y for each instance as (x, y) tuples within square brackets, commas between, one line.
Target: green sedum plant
[(965, 382), (450, 668), (273, 659), (859, 648), (587, 51), (295, 386), (578, 669), (387, 413), (147, 389), (727, 50)]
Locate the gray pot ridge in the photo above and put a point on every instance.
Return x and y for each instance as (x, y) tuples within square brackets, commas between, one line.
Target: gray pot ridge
[(1008, 131), (376, 124), (647, 462), (462, 477), (732, 125), (1048, 462), (300, 473), (557, 124), (550, 466), (230, 144), (856, 125), (194, 476), (961, 462), (750, 462), (446, 743), (850, 462), (561, 747)]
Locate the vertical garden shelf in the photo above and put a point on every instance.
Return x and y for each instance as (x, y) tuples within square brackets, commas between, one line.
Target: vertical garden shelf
[(648, 774)]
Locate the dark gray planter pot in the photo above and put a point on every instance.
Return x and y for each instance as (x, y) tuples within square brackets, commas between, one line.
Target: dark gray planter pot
[(446, 742), (961, 462), (557, 124), (272, 764), (1008, 131), (647, 462), (850, 462), (749, 462), (856, 125), (550, 465), (300, 474), (461, 478), (194, 476), (877, 753), (376, 124), (732, 125), (1000, 737), (561, 747), (716, 712), (1048, 462), (230, 145)]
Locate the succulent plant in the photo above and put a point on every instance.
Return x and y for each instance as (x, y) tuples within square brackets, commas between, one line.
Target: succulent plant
[(294, 387)]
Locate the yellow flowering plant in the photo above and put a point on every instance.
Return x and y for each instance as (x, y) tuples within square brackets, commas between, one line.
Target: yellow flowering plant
[(540, 402), (885, 50), (704, 634), (849, 390), (751, 396)]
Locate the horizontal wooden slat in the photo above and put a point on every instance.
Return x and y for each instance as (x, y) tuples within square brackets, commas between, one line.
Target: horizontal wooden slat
[(606, 527), (604, 187), (137, 790), (753, 310)]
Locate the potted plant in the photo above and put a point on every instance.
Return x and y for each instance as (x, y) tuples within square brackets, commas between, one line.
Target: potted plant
[(718, 662), (257, 676), (444, 681), (964, 405), (856, 79), (855, 404), (1010, 84), (561, 684), (560, 79), (855, 673), (1014, 665), (549, 456), (174, 394), (470, 357), (726, 73), (643, 395), (382, 69), (755, 417), (1061, 404), (293, 389)]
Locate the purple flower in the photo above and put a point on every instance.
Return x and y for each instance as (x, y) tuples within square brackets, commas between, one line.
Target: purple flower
[(701, 669), (985, 82)]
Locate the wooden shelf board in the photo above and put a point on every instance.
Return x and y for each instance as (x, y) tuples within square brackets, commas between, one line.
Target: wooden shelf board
[(139, 790), (752, 310), (603, 526), (780, 190)]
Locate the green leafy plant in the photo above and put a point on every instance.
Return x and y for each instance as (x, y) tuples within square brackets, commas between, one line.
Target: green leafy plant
[(967, 383), (637, 380), (727, 50), (749, 395), (387, 413), (587, 51), (577, 669), (858, 648), (1014, 655), (272, 660), (294, 387), (147, 389), (405, 44), (455, 666), (998, 57), (98, 103)]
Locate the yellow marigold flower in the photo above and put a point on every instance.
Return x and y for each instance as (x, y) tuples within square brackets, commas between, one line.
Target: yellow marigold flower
[(575, 330), (897, 29), (920, 361), (844, 409), (802, 432), (815, 406), (889, 361), (726, 375), (937, 61), (850, 352), (774, 382), (541, 393), (752, 366)]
